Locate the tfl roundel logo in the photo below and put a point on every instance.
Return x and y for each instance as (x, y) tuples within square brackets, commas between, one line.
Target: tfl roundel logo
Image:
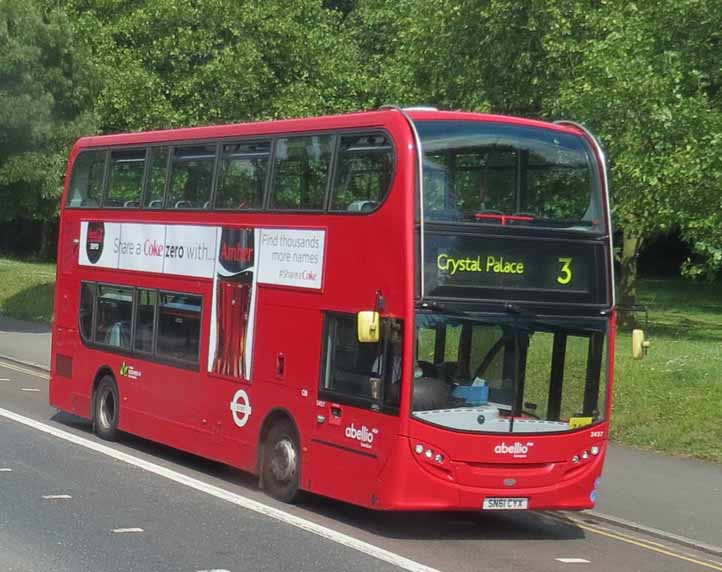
[(94, 241)]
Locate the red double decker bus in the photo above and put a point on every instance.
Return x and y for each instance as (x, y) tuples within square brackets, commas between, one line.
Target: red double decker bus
[(401, 309)]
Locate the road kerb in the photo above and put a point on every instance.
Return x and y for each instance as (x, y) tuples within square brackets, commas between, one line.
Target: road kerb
[(21, 363), (655, 532)]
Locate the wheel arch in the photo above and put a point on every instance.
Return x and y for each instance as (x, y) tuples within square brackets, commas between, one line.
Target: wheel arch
[(272, 417)]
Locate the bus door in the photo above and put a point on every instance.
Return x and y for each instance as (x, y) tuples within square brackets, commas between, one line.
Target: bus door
[(357, 415)]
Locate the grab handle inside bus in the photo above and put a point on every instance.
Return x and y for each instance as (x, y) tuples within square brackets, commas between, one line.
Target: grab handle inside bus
[(368, 326)]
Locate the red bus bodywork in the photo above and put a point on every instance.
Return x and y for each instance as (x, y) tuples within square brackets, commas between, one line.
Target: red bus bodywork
[(191, 409)]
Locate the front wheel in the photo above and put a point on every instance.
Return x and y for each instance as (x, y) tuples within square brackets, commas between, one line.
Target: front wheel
[(106, 407), (281, 469)]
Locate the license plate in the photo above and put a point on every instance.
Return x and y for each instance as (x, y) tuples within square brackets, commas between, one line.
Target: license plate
[(505, 503)]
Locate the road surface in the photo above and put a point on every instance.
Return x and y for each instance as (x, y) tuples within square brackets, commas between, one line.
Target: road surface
[(69, 501)]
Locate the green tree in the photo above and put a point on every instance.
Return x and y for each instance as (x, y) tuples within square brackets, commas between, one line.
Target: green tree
[(172, 63), (647, 81), (645, 78), (45, 92)]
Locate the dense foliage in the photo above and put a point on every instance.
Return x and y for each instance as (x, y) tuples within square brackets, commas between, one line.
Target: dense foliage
[(46, 81), (646, 77)]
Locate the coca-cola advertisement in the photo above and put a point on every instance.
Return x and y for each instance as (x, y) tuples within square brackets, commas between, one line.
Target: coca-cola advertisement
[(233, 310)]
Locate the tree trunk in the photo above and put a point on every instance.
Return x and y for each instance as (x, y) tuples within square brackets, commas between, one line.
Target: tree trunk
[(47, 242), (628, 280)]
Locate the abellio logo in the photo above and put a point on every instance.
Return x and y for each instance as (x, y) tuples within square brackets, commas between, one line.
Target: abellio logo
[(517, 449), (365, 436), (94, 241)]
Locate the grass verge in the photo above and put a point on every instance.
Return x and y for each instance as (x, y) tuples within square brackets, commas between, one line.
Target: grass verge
[(26, 290), (672, 400)]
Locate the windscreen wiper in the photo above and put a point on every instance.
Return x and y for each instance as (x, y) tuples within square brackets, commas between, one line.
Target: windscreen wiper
[(511, 308), (443, 309)]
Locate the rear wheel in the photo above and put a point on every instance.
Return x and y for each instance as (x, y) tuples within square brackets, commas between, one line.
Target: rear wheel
[(281, 470), (106, 407)]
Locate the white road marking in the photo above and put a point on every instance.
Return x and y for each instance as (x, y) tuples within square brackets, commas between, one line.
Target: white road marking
[(7, 365), (233, 498), (5, 470), (4, 379), (215, 570), (126, 530), (572, 560), (56, 497), (29, 389)]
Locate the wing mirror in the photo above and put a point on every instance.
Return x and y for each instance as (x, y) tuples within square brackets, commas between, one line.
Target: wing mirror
[(368, 326)]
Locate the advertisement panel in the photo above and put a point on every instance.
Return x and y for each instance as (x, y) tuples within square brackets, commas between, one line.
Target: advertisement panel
[(292, 257), (233, 309), (166, 249), (286, 256)]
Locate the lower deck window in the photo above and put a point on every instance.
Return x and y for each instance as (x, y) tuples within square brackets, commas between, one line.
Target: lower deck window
[(162, 325), (114, 314), (145, 320), (179, 326)]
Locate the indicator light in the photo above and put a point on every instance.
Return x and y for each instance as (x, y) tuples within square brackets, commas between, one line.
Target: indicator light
[(575, 459), (429, 454), (439, 458), (585, 455), (419, 449), (595, 450)]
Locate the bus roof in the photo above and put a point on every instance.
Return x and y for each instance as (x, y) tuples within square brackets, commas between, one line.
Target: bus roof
[(272, 127)]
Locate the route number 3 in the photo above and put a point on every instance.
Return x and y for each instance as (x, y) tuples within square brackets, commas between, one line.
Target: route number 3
[(565, 276)]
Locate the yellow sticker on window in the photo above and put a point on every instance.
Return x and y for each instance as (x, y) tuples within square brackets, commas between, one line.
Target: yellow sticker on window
[(576, 422)]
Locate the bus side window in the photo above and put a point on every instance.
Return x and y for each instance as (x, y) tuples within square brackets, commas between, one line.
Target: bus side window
[(242, 175), (114, 315), (179, 326), (191, 177), (349, 363), (363, 174), (367, 372), (156, 180), (125, 185), (86, 183), (145, 320), (87, 301), (301, 167)]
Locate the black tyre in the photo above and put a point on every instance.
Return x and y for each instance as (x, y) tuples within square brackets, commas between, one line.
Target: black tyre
[(106, 409), (281, 469)]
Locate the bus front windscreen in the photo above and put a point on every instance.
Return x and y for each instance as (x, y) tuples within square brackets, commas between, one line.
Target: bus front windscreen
[(510, 373), (502, 173)]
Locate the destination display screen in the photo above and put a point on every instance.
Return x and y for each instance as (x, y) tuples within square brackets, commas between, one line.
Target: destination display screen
[(513, 268)]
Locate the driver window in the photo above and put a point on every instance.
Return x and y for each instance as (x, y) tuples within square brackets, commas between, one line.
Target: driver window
[(367, 371), (349, 363)]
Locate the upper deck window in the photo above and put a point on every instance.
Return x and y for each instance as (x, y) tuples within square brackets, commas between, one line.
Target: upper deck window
[(496, 173), (86, 185), (125, 186), (242, 175), (156, 178), (363, 174), (301, 166), (191, 178)]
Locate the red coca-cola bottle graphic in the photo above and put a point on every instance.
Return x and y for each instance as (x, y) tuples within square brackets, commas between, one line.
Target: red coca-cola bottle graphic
[(234, 284)]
